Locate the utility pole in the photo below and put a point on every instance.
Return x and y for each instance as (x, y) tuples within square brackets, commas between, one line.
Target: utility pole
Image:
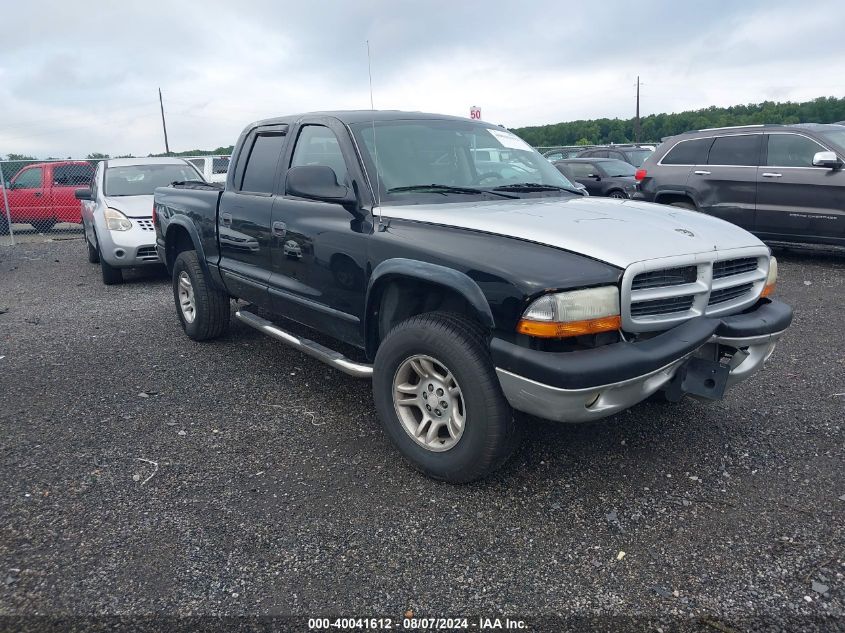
[(637, 120), (164, 125)]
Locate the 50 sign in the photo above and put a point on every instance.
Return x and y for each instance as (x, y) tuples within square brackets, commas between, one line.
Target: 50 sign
[(475, 113)]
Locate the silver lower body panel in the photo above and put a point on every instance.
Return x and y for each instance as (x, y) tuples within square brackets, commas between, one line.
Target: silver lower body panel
[(593, 403)]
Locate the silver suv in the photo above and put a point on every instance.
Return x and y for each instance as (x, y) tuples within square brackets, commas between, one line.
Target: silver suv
[(781, 182)]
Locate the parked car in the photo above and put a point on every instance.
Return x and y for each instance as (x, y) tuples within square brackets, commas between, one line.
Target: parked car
[(781, 182), (464, 301), (117, 211), (600, 176), (41, 194), (212, 168), (633, 154), (561, 153)]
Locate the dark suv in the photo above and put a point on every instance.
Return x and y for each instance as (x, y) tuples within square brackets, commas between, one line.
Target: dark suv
[(632, 154), (781, 182)]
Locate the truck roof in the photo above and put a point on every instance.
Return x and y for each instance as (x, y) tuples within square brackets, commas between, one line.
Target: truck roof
[(129, 162), (359, 116)]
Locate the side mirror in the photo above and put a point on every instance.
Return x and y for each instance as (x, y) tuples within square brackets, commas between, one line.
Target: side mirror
[(317, 182), (827, 159), (84, 194)]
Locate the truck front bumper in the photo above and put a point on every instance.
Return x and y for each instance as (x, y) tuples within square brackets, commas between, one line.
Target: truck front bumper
[(591, 384)]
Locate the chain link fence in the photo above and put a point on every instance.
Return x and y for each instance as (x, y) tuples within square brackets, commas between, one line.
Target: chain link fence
[(38, 198)]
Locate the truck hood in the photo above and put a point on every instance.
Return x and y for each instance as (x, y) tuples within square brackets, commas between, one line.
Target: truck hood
[(132, 206), (619, 232)]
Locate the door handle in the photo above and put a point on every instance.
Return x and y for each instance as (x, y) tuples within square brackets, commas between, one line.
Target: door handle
[(280, 229), (226, 218), (701, 172), (770, 174), (37, 194)]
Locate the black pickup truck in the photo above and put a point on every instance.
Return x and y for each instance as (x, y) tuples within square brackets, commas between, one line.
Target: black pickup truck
[(472, 277)]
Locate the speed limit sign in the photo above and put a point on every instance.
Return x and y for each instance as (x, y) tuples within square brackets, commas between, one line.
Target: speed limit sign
[(475, 113)]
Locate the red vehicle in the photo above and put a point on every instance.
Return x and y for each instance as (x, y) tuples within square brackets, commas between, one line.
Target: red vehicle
[(42, 194)]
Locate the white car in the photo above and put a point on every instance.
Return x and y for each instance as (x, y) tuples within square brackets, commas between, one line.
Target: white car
[(117, 211), (213, 168)]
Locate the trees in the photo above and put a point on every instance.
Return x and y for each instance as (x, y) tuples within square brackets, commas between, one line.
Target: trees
[(657, 126)]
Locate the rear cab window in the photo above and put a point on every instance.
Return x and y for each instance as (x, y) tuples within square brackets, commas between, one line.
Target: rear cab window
[(261, 165), (72, 175)]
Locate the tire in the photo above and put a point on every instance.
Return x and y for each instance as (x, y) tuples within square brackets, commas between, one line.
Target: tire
[(111, 275), (209, 306), (44, 226), (454, 345), (683, 204), (617, 194), (93, 251), (4, 224)]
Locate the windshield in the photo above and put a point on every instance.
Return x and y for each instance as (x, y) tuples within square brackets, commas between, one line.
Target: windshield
[(142, 180), (638, 156), (615, 168), (465, 156), (837, 137)]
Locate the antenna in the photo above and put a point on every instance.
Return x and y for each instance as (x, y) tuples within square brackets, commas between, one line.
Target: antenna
[(375, 145)]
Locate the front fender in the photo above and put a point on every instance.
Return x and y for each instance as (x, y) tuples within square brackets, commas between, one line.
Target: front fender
[(432, 273)]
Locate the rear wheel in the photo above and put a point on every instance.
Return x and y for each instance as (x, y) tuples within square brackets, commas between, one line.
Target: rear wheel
[(616, 194), (439, 400), (203, 310)]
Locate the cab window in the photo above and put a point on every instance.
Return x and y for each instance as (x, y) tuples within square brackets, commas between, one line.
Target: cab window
[(260, 170), (739, 150), (318, 145), (29, 179)]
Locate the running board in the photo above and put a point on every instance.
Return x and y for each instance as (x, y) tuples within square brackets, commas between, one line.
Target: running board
[(320, 352)]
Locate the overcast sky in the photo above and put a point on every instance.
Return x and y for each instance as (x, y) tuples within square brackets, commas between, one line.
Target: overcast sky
[(82, 76)]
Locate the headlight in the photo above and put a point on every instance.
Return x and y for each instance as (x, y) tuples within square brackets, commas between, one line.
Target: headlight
[(572, 313), (116, 221), (772, 279)]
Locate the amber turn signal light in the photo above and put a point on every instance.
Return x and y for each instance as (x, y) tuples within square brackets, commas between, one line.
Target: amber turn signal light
[(547, 329)]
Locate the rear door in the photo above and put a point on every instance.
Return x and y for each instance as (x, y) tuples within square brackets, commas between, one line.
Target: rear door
[(245, 213), (27, 202), (796, 199), (66, 179), (319, 248), (726, 186)]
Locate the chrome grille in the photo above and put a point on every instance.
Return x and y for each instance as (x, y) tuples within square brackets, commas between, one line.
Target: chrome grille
[(730, 267), (147, 253), (665, 277), (728, 294), (662, 293), (661, 306)]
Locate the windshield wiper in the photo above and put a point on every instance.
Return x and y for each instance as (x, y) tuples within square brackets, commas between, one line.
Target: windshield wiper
[(532, 186), (447, 189)]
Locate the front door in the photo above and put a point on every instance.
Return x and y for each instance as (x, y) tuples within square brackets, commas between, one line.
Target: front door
[(27, 202), (726, 186), (796, 199), (588, 175), (244, 216), (319, 248)]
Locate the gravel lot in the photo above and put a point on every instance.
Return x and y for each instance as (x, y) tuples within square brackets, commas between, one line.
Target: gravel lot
[(143, 473)]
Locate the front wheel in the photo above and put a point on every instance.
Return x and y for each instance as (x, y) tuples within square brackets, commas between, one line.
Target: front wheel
[(111, 274), (439, 400), (203, 310), (4, 224), (617, 194), (93, 250)]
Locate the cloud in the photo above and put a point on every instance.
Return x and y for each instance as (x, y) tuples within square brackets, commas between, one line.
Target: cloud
[(83, 78)]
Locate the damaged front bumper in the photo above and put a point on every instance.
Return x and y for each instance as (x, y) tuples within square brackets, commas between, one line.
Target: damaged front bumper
[(701, 357)]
